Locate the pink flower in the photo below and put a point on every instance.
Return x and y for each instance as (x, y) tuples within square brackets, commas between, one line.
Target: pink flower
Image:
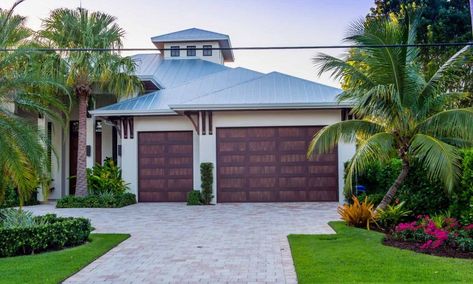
[(426, 245), (468, 228), (412, 226)]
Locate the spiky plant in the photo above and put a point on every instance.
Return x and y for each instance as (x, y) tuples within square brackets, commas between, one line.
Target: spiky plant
[(88, 70), (400, 110)]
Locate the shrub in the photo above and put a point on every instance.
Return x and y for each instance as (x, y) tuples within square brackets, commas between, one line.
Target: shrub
[(462, 198), (374, 198), (433, 234), (420, 194), (104, 200), (194, 197), (206, 175), (392, 215), (106, 178), (51, 233), (358, 214), (11, 199)]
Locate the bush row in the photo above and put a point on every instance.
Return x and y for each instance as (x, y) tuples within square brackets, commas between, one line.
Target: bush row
[(420, 194), (97, 201), (51, 233), (11, 199)]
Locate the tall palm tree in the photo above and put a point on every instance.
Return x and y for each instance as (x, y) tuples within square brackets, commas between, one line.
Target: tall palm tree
[(23, 86), (400, 111), (89, 70)]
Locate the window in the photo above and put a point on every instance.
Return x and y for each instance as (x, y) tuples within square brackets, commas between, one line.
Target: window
[(175, 51), (207, 50), (191, 50)]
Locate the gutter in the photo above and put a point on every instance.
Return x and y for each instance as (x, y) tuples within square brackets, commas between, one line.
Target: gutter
[(330, 105)]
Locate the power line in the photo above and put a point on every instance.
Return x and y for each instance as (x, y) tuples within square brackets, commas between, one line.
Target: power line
[(421, 45)]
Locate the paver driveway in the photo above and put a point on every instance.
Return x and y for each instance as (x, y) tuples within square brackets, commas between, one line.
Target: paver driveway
[(175, 243)]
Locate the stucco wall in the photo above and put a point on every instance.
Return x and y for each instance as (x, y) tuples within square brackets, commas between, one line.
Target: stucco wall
[(207, 151), (216, 57)]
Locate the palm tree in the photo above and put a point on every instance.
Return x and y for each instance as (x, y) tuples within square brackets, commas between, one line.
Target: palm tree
[(399, 110), (23, 86), (89, 70)]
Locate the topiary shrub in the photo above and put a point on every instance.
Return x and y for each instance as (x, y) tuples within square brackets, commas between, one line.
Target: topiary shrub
[(207, 180), (49, 233), (194, 197)]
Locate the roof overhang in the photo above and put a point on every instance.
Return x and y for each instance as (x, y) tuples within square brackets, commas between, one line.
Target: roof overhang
[(259, 106), (131, 113)]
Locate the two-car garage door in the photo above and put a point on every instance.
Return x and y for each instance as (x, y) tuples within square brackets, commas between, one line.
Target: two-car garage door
[(269, 164), (256, 164)]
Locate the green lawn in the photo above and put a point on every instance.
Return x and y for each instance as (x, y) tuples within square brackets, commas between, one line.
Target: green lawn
[(356, 255), (53, 267)]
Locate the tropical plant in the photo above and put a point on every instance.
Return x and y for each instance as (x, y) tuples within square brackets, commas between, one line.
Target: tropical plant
[(24, 87), (440, 21), (399, 110), (89, 71), (14, 218), (392, 215), (358, 214), (106, 178)]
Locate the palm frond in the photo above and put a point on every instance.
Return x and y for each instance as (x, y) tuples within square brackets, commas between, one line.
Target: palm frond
[(328, 137), (378, 147), (450, 124), (440, 159)]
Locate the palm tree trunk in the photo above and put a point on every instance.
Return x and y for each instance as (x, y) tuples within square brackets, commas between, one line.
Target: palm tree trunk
[(81, 175), (393, 189)]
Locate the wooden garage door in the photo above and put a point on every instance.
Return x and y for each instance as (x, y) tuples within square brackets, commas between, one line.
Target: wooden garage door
[(269, 164), (165, 166)]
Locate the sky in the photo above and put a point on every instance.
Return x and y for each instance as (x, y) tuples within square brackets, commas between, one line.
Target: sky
[(247, 22)]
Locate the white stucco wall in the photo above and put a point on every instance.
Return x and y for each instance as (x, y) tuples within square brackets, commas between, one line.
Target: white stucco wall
[(207, 151), (217, 56)]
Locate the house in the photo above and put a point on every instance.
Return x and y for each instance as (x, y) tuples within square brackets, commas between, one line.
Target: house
[(254, 127)]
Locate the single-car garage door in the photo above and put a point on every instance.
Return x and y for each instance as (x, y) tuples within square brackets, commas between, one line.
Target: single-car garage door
[(165, 166), (269, 164)]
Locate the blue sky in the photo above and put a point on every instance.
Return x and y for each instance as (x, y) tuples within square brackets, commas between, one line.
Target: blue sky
[(248, 22)]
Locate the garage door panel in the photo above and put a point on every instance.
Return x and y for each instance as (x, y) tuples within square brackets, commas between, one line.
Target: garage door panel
[(261, 196), (293, 195), (267, 164), (262, 170), (262, 182), (325, 195), (261, 146), (165, 161)]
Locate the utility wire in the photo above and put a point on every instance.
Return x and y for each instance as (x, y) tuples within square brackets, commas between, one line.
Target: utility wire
[(445, 44)]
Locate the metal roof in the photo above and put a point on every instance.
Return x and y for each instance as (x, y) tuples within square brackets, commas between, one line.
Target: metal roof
[(170, 73), (273, 90), (158, 102), (196, 35)]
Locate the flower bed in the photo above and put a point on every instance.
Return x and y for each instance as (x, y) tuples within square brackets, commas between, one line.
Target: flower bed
[(443, 236), (97, 201), (44, 233)]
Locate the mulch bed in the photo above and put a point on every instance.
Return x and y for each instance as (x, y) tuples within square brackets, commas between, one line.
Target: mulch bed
[(444, 252)]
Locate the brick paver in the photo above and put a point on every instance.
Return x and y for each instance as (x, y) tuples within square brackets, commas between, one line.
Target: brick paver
[(175, 243)]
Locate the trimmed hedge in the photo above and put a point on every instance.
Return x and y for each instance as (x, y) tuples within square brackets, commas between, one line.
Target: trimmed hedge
[(97, 201), (207, 180), (193, 197), (54, 233)]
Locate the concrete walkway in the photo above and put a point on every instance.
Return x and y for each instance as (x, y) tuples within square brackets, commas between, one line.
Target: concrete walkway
[(175, 243)]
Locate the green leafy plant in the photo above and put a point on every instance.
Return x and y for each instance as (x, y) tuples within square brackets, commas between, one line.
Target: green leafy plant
[(104, 200), (194, 197), (14, 218), (392, 215), (206, 175), (358, 214), (106, 178), (462, 198), (49, 233), (401, 111)]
